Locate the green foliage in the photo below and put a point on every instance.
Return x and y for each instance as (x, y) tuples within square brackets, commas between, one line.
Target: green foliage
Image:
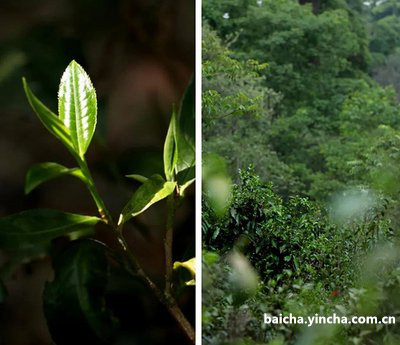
[(385, 35), (77, 106), (383, 23), (238, 109), (367, 108), (375, 294), (39, 226), (305, 261), (138, 178), (307, 142), (288, 239), (75, 298), (348, 158), (323, 234), (170, 150), (184, 132), (75, 301), (51, 121), (42, 172), (305, 53), (230, 87), (151, 191), (387, 72), (179, 147), (315, 62), (186, 271), (179, 157)]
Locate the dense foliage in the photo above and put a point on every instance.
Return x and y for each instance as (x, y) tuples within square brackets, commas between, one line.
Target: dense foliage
[(305, 92), (294, 238), (79, 302), (139, 55), (313, 75)]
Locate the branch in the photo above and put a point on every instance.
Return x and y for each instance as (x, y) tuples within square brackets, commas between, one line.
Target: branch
[(168, 301), (168, 239), (103, 211), (165, 297)]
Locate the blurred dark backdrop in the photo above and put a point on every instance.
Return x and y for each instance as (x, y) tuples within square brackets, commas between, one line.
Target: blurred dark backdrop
[(140, 57)]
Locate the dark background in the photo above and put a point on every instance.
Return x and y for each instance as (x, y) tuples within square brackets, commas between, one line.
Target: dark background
[(140, 57)]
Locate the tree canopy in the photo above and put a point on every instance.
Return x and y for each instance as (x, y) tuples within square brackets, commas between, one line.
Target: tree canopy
[(306, 94)]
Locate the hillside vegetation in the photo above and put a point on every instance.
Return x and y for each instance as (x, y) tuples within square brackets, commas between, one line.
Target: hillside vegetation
[(301, 139)]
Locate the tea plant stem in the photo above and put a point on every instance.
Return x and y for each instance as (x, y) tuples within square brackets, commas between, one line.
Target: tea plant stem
[(177, 313), (103, 211), (168, 240), (171, 303), (167, 300), (165, 297)]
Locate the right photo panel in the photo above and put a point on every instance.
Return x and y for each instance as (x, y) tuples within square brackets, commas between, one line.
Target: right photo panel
[(301, 165)]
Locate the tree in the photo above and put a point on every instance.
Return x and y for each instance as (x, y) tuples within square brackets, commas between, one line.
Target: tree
[(237, 113)]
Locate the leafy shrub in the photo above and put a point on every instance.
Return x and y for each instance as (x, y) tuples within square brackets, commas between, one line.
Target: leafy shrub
[(306, 262), (286, 239), (89, 275)]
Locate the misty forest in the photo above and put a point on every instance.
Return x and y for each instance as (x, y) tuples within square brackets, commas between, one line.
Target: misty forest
[(301, 157)]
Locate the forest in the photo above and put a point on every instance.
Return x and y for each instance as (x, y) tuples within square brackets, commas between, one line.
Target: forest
[(301, 150)]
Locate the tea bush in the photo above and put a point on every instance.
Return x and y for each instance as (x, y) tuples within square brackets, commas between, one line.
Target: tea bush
[(93, 276), (306, 262)]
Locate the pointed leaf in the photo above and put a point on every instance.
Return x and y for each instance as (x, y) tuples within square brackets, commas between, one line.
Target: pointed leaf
[(79, 174), (170, 152), (39, 226), (185, 178), (74, 302), (48, 118), (42, 172), (153, 190), (139, 178), (185, 130), (77, 106)]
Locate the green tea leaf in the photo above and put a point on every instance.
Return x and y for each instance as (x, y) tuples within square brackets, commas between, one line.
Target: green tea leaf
[(74, 302), (139, 178), (151, 191), (48, 118), (42, 172), (185, 130), (179, 146), (188, 266), (185, 178), (77, 106), (170, 149), (39, 226)]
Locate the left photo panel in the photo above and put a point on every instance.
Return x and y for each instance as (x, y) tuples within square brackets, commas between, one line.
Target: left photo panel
[(97, 150)]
